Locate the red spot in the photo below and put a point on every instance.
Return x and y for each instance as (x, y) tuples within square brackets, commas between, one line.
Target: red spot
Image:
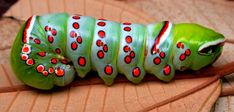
[(105, 48), (187, 52), (53, 32), (179, 44), (182, 46), (50, 39), (100, 54), (53, 61), (99, 43), (167, 70), (73, 34), (42, 54), (101, 33), (132, 54), (40, 68), (64, 61), (79, 39), (108, 70), (37, 41), (24, 57), (101, 23), (49, 29), (58, 51), (182, 57), (30, 61), (45, 73), (128, 39), (127, 29), (75, 25), (82, 61), (127, 23), (51, 70), (76, 17), (126, 48), (162, 54), (127, 59), (74, 45), (136, 72), (46, 28), (157, 61), (60, 72), (25, 49), (31, 38)]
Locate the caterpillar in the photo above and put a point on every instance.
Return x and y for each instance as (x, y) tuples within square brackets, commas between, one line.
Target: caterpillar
[(50, 49)]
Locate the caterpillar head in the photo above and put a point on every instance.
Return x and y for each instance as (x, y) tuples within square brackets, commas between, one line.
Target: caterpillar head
[(196, 46)]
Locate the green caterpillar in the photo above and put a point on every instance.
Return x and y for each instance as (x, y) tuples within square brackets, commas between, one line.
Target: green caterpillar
[(50, 49)]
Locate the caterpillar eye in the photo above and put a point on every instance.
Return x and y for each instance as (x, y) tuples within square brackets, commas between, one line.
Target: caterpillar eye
[(208, 50)]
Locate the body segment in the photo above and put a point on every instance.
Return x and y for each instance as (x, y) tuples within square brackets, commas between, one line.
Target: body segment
[(50, 49)]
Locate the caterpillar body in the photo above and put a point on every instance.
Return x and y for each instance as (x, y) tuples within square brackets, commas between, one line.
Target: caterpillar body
[(50, 49)]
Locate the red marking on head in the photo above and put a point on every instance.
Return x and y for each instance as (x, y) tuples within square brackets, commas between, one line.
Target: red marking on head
[(64, 61), (127, 59), (101, 33), (182, 57), (58, 51), (108, 70), (99, 43), (76, 17), (187, 52), (127, 23), (126, 48), (75, 25), (81, 61), (42, 54), (162, 55), (40, 68), (24, 57), (101, 23), (28, 23), (136, 72), (53, 61), (105, 48), (100, 54), (128, 39), (157, 61), (30, 61), (74, 45), (128, 29), (132, 54), (53, 32), (37, 41), (51, 70), (158, 38), (73, 34), (45, 73), (167, 70), (50, 39), (59, 72), (46, 28), (79, 39)]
